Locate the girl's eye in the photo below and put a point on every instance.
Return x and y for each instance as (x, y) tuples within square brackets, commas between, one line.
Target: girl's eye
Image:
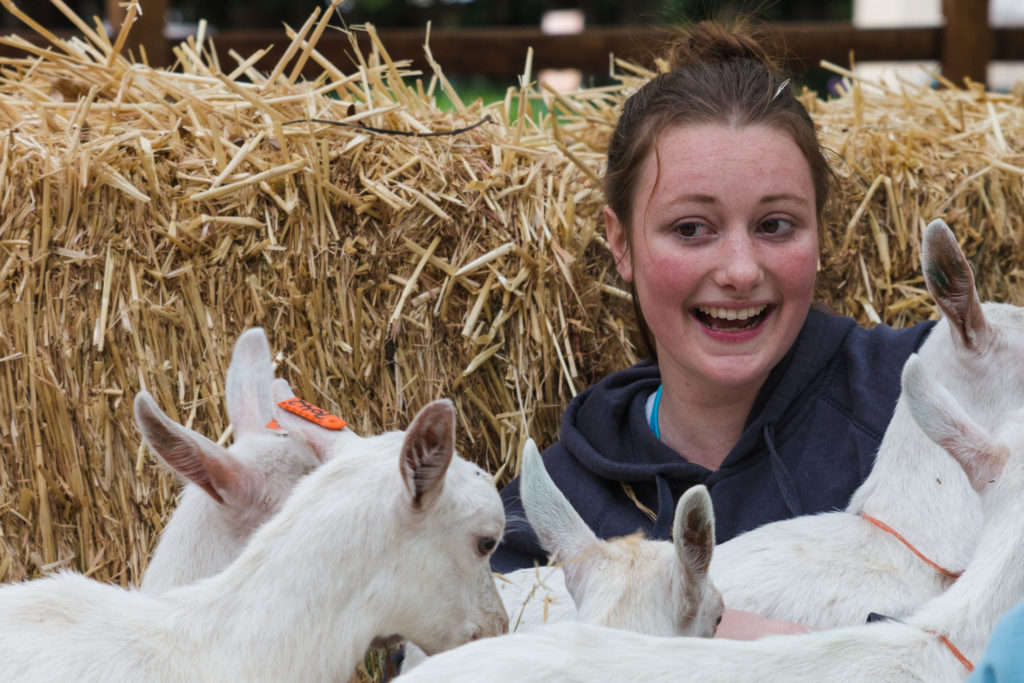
[(777, 226), (485, 545), (690, 229)]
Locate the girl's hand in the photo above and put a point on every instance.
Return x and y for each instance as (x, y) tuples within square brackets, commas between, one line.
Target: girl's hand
[(740, 625)]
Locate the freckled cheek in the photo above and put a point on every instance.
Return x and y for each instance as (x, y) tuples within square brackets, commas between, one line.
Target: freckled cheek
[(798, 272), (666, 281)]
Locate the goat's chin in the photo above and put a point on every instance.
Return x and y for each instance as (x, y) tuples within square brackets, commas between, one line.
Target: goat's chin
[(387, 641)]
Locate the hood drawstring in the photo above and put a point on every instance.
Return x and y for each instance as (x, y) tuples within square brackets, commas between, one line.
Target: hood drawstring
[(666, 504), (666, 510), (782, 475)]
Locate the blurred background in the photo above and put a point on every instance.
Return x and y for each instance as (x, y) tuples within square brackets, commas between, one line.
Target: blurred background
[(482, 45), (454, 13)]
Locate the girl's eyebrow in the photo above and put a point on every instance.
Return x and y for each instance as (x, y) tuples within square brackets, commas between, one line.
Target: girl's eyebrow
[(784, 197), (694, 197), (767, 199)]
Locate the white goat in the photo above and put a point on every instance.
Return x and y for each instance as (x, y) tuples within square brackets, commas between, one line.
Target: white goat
[(392, 540), (653, 587), (832, 569), (229, 492), (938, 643)]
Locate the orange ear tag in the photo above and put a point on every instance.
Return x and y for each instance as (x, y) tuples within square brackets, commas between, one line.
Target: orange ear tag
[(273, 425), (308, 411)]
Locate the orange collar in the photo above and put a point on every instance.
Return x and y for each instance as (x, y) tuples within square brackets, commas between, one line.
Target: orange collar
[(952, 648), (888, 529)]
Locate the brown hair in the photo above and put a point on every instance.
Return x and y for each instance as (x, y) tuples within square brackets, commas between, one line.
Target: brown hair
[(716, 75)]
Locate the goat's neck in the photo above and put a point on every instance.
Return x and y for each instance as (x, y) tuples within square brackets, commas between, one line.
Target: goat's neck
[(991, 585), (291, 608), (199, 529), (922, 492)]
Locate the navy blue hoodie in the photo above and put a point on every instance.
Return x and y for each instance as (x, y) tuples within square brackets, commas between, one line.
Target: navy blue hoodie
[(809, 442)]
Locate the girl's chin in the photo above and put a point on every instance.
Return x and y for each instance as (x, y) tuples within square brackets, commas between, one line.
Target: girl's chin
[(737, 375), (736, 370)]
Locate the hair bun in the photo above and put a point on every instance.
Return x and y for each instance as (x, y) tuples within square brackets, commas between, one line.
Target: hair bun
[(708, 42)]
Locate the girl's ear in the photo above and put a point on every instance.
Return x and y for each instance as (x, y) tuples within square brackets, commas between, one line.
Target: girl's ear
[(618, 242)]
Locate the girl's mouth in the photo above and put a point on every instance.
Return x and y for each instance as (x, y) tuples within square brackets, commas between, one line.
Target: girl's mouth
[(730, 319)]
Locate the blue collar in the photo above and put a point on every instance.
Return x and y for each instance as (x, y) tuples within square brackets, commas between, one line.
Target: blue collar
[(654, 413)]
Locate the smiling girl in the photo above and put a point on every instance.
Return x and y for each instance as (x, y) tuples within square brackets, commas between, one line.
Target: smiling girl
[(716, 185)]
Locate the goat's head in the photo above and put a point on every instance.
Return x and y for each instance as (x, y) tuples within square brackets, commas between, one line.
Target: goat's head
[(632, 583), (433, 519), (251, 478)]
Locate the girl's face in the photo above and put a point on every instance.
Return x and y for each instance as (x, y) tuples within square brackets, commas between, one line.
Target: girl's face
[(723, 252)]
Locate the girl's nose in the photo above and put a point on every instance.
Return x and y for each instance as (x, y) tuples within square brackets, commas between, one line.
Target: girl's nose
[(739, 268)]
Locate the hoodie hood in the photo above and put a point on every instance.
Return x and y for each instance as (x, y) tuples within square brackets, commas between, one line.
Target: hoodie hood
[(605, 427)]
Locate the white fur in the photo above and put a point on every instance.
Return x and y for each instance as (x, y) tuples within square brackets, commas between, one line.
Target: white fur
[(228, 492), (653, 587), (966, 614), (833, 569), (390, 540)]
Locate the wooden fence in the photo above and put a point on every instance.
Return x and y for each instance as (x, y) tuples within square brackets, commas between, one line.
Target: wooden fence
[(501, 52), (963, 46)]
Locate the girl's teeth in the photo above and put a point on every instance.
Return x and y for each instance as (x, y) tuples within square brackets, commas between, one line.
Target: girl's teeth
[(731, 313)]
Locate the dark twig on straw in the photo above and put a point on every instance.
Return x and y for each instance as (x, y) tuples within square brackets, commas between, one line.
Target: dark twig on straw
[(388, 131)]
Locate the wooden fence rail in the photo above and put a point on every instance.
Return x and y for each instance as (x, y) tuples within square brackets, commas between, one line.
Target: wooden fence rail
[(963, 47), (501, 52)]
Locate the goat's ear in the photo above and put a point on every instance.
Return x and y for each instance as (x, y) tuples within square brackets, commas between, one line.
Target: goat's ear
[(950, 281), (189, 453), (321, 440), (944, 421), (560, 529), (247, 386), (693, 531), (427, 451)]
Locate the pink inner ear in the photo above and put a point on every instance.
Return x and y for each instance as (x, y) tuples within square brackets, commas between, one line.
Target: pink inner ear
[(182, 453), (697, 539), (950, 281), (194, 465), (223, 475), (427, 451)]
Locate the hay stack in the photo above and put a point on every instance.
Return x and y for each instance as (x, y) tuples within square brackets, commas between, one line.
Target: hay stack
[(902, 158), (149, 216)]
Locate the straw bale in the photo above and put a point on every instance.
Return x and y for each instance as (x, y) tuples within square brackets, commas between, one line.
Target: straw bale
[(904, 156), (149, 216)]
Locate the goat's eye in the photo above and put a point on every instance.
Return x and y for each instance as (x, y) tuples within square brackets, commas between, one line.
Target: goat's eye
[(485, 545)]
